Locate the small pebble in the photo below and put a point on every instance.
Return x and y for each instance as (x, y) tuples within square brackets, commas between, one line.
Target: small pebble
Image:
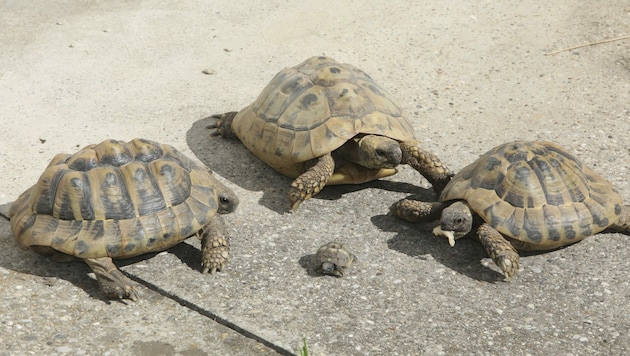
[(209, 71)]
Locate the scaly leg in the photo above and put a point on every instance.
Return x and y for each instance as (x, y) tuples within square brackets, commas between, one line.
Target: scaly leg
[(215, 245), (499, 249), (223, 125), (427, 164), (312, 181), (114, 284), (415, 211)]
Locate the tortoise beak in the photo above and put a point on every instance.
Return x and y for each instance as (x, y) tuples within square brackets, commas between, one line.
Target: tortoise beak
[(450, 235)]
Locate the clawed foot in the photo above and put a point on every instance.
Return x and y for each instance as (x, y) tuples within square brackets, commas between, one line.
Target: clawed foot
[(500, 250), (300, 192), (113, 283), (222, 125), (312, 181), (120, 288), (215, 259), (508, 262)]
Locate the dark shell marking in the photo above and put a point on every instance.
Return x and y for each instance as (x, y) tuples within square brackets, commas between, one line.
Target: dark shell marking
[(538, 193), (116, 199)]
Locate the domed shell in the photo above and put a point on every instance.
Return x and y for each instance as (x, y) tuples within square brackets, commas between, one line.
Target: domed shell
[(116, 199), (312, 109), (333, 258), (536, 192)]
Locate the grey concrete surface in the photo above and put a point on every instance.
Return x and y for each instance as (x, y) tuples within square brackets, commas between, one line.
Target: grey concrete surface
[(471, 75)]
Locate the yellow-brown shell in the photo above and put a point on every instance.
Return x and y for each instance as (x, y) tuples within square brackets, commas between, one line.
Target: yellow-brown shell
[(312, 109), (538, 193), (115, 199)]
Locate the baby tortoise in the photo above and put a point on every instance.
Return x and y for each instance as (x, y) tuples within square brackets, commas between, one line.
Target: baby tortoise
[(332, 259)]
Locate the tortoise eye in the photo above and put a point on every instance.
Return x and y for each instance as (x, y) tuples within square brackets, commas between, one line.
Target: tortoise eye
[(459, 221)]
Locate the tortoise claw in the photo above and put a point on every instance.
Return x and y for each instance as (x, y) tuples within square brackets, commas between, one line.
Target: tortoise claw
[(222, 124), (508, 262)]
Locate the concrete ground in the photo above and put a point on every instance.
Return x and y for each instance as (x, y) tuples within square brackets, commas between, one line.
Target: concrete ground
[(471, 75)]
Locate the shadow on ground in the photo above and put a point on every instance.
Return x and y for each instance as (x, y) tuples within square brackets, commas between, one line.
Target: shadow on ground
[(76, 272), (418, 241)]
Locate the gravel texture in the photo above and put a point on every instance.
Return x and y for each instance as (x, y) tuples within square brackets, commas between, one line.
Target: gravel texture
[(470, 74)]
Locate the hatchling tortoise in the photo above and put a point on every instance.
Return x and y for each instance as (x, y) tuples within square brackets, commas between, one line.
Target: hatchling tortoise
[(332, 259), (527, 196), (119, 200), (325, 123)]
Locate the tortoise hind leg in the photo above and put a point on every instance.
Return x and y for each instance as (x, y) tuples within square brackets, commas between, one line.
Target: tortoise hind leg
[(114, 284), (223, 124), (312, 181), (500, 250), (427, 164), (215, 245)]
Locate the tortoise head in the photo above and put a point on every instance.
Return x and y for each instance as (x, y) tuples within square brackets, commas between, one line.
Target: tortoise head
[(330, 268), (226, 198), (456, 222), (372, 151), (228, 201), (379, 152)]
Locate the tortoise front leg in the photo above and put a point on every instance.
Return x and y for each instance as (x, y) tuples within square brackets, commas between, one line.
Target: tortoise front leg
[(312, 181), (223, 125), (113, 283), (415, 211), (499, 249), (427, 164), (215, 245)]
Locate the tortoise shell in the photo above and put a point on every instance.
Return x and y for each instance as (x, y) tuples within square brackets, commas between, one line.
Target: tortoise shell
[(537, 193), (116, 199), (333, 258), (312, 109)]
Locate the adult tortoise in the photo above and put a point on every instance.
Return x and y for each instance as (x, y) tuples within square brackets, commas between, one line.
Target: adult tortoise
[(527, 196), (325, 123), (119, 200)]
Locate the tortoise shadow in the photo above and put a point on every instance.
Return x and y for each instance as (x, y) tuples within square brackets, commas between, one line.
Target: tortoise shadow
[(417, 240), (306, 262), (25, 261), (76, 272), (232, 161)]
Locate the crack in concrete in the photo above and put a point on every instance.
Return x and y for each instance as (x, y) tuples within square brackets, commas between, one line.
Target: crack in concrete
[(212, 316)]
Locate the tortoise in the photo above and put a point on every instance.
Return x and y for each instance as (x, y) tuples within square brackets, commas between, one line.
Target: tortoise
[(332, 259), (326, 123), (119, 200), (522, 196)]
